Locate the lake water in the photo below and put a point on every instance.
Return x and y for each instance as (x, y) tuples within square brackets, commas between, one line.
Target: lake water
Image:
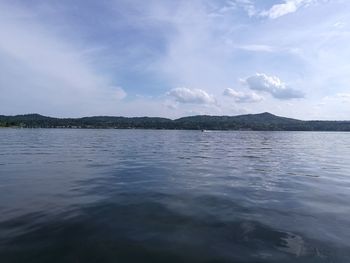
[(173, 196)]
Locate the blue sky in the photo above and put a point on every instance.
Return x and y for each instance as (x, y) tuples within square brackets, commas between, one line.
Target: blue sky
[(169, 58)]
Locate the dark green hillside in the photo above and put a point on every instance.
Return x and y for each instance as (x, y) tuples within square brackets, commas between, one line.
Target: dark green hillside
[(262, 121)]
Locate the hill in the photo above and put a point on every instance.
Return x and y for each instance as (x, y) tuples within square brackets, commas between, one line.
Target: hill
[(262, 121)]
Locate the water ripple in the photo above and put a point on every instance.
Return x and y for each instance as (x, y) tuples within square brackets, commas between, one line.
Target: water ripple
[(174, 196)]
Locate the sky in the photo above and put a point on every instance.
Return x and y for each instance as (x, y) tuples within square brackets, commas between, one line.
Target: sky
[(174, 58)]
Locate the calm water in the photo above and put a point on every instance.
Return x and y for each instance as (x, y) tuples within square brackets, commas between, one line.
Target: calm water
[(174, 196)]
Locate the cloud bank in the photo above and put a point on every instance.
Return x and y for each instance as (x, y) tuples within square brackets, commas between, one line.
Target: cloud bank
[(272, 85)]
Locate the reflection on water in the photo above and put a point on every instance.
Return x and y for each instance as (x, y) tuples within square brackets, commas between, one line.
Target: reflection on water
[(174, 196)]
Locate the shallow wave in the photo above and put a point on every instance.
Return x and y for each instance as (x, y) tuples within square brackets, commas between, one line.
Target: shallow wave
[(174, 196)]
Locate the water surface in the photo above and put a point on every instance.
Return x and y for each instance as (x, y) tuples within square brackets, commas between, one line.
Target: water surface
[(173, 196)]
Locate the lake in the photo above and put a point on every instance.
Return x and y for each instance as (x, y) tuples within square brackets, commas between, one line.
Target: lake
[(71, 195)]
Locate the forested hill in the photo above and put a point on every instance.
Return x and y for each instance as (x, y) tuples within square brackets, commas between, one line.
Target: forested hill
[(262, 121)]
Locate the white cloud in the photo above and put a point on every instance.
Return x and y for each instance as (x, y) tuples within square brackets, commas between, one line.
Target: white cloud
[(196, 96), (272, 85), (242, 97), (289, 6)]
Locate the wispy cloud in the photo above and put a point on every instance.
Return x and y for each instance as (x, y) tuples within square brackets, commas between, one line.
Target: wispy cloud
[(257, 48), (86, 66), (287, 7), (248, 6), (49, 69), (340, 97), (242, 97)]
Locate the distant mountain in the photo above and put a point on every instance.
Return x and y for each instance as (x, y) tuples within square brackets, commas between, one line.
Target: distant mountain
[(262, 121), (39, 121)]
